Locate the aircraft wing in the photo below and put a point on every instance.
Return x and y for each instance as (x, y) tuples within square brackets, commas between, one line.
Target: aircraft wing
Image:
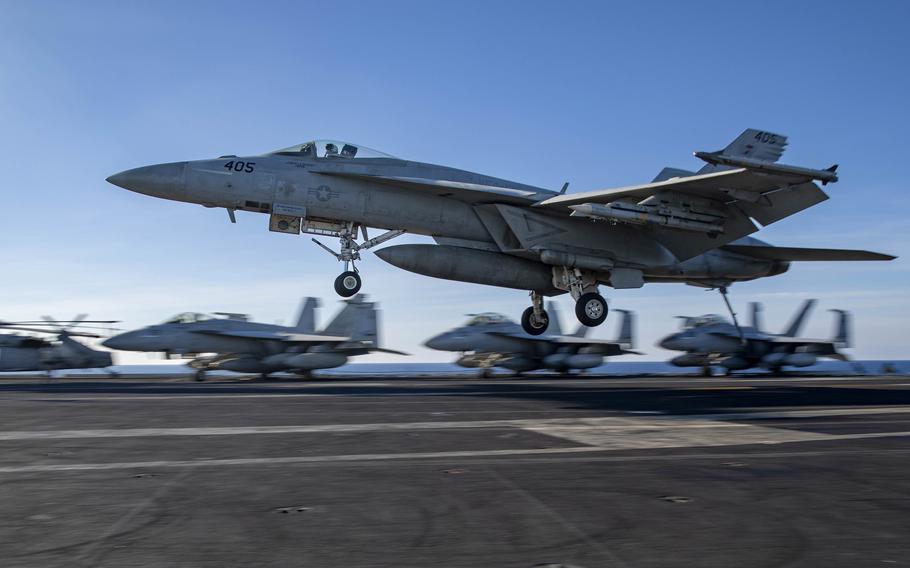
[(468, 192), (805, 254), (277, 336), (732, 197), (752, 191), (598, 346), (819, 346)]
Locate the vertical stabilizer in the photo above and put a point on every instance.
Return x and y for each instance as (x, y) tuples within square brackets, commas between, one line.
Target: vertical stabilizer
[(756, 309), (357, 321), (555, 327), (842, 336), (796, 325), (626, 336), (582, 331), (306, 321)]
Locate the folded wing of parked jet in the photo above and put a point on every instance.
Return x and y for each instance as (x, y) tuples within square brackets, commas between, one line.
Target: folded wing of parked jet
[(622, 345)]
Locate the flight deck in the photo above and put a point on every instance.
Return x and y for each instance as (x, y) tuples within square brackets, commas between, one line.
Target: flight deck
[(416, 472)]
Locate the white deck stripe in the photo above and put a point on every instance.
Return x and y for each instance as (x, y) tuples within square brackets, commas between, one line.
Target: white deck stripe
[(290, 460), (349, 458), (618, 424), (607, 424)]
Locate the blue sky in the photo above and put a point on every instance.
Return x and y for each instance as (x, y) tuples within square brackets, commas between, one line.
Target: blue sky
[(598, 94)]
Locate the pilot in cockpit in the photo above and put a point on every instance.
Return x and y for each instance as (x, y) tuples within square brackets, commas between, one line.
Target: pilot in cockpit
[(348, 151), (331, 150)]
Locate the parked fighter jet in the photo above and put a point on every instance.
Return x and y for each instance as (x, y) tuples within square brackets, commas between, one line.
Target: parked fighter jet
[(682, 227), (712, 340), (29, 353), (232, 342), (492, 340)]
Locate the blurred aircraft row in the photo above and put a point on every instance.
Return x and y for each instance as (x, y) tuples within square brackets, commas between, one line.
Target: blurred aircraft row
[(233, 342)]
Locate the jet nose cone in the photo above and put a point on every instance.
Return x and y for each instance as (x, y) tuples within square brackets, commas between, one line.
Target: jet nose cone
[(122, 342), (441, 342), (671, 343), (167, 181), (434, 343)]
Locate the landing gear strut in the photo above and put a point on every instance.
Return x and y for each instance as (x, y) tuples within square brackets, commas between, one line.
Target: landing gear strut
[(723, 294), (590, 307), (535, 319), (348, 282)]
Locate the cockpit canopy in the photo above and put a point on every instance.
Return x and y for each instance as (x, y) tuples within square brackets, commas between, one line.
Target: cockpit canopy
[(487, 319), (331, 149), (708, 319), (188, 317)]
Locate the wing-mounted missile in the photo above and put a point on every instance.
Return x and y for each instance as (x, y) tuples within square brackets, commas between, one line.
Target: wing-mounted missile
[(825, 176), (651, 214)]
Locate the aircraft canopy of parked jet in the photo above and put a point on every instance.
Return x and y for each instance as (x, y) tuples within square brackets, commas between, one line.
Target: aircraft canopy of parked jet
[(331, 149), (188, 317), (487, 318), (709, 319)]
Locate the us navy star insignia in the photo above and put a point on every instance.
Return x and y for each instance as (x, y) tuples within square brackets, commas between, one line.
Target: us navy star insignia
[(323, 193)]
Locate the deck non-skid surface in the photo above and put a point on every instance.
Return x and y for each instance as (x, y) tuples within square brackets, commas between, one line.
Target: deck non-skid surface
[(458, 472)]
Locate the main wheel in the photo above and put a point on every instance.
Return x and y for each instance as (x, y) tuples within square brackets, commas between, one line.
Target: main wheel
[(591, 309), (199, 376), (347, 284), (532, 324)]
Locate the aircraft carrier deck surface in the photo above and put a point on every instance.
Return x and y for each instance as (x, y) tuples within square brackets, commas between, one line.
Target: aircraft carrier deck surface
[(613, 472)]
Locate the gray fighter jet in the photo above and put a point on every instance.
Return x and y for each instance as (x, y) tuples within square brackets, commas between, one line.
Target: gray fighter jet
[(712, 340), (683, 226), (30, 353), (492, 340), (232, 342)]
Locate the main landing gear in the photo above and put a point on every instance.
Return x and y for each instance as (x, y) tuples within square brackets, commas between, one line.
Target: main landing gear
[(591, 308), (348, 282)]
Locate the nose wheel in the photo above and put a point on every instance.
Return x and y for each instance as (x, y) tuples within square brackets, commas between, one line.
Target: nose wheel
[(591, 309), (347, 284)]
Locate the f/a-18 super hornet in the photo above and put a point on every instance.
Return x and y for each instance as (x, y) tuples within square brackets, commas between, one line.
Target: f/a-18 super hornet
[(712, 340), (29, 353), (683, 226), (492, 340), (232, 342)]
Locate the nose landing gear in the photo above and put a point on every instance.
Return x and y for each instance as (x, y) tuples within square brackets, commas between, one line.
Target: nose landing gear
[(348, 282), (535, 320)]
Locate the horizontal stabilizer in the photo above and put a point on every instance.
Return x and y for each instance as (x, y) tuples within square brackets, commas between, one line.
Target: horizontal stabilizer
[(805, 254)]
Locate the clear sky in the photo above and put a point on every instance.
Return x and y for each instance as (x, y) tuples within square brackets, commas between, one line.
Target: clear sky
[(595, 93)]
